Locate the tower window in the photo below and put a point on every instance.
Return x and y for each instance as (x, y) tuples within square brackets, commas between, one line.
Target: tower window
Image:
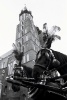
[(21, 23), (19, 46), (19, 35), (26, 38), (22, 40), (25, 31), (20, 17), (21, 27), (24, 16), (22, 33), (24, 59), (27, 57)]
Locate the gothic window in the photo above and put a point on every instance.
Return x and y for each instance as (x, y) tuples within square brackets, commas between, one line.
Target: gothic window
[(19, 46), (24, 60), (22, 33), (21, 23), (27, 57), (19, 35), (10, 69), (21, 27), (3, 64), (26, 37), (25, 31), (24, 16), (21, 17)]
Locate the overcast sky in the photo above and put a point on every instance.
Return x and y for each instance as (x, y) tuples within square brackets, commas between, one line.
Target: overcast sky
[(53, 12)]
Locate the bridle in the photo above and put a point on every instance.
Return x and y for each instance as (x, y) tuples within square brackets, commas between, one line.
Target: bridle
[(40, 54)]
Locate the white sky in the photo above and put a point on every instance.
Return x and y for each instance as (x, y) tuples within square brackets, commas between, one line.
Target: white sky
[(53, 12)]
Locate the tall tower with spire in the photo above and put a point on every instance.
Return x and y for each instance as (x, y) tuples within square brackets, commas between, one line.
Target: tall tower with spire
[(27, 39)]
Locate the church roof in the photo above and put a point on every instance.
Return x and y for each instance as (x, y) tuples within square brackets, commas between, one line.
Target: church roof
[(7, 54)]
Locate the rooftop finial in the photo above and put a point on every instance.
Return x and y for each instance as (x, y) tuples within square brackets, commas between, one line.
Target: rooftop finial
[(25, 7)]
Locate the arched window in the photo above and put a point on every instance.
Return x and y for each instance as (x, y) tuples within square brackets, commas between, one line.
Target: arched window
[(22, 40), (24, 60), (27, 57), (19, 35), (26, 37), (10, 69), (19, 46)]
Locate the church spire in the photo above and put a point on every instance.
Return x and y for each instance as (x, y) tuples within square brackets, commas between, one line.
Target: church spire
[(25, 8)]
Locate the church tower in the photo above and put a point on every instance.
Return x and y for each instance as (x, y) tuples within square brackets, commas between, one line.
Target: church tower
[(27, 39)]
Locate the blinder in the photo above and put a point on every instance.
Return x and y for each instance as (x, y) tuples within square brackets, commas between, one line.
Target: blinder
[(48, 55)]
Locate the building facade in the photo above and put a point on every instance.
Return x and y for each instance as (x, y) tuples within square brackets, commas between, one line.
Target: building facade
[(27, 38), (27, 41)]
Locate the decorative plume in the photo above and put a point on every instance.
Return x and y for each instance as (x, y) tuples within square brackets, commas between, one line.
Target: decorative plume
[(18, 55), (49, 35)]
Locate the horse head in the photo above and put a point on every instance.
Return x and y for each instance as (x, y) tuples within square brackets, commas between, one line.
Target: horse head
[(45, 61)]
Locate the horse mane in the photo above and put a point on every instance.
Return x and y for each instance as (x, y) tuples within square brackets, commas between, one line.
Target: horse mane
[(62, 58)]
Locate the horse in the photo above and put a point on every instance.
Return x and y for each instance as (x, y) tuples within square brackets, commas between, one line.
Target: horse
[(50, 59), (47, 80)]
